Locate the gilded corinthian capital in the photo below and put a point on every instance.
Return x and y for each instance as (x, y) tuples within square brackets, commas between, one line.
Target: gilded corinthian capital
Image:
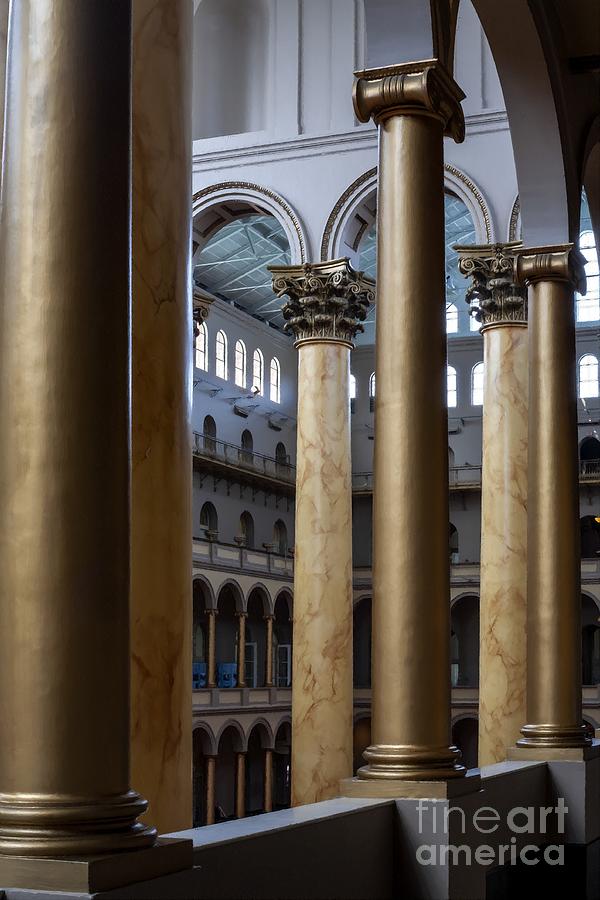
[(494, 295), (326, 301), (420, 88)]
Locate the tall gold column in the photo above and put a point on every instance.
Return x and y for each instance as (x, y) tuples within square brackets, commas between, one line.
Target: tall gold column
[(210, 772), (268, 794), (64, 402), (161, 525), (326, 303), (241, 649), (554, 717), (211, 675), (269, 653), (503, 597), (240, 785), (413, 105), (3, 48)]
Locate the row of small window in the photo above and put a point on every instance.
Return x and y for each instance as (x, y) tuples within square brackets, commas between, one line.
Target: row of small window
[(588, 383), (209, 523), (477, 375), (240, 364)]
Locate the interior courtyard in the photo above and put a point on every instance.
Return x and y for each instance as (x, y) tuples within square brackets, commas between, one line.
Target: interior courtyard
[(300, 455)]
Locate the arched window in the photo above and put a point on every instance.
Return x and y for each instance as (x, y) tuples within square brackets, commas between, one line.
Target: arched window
[(372, 392), (588, 376), (247, 530), (275, 380), (280, 538), (240, 364), (258, 372), (588, 307), (247, 446), (209, 520), (452, 387), (221, 355), (474, 324), (202, 347), (451, 318), (209, 429), (352, 393), (477, 385)]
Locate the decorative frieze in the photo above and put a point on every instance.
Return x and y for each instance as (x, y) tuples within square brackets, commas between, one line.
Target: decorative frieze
[(494, 296), (326, 301)]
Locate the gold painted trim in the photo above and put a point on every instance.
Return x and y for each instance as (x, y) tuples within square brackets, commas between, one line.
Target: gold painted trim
[(514, 220), (251, 186), (478, 196)]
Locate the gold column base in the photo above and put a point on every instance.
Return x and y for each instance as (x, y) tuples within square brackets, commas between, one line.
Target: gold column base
[(398, 788), (394, 762), (33, 825), (535, 751), (549, 736), (96, 873)]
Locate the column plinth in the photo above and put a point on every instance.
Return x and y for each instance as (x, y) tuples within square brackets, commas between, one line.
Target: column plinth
[(554, 713), (327, 302), (64, 475), (501, 308), (414, 106)]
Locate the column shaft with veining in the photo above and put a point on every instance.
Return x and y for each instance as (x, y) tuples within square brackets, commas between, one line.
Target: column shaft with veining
[(326, 303)]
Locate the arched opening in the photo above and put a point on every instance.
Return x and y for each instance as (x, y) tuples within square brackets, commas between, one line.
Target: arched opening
[(221, 361), (275, 381), (230, 743), (280, 537), (246, 535), (282, 641), (201, 603), (465, 736), (452, 387), (477, 384), (230, 99), (589, 386), (229, 602), (256, 638), (209, 431), (451, 318), (361, 638), (450, 458), (361, 738), (209, 521), (258, 742), (282, 774), (240, 364), (201, 750), (201, 348), (258, 373), (453, 544), (247, 453), (352, 391), (589, 456), (372, 389), (590, 537), (590, 641), (464, 642)]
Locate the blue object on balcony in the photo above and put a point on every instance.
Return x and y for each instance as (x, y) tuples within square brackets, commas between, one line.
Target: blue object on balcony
[(198, 675), (226, 675)]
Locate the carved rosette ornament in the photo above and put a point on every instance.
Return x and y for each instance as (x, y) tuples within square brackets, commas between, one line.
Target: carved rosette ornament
[(417, 88), (494, 296), (326, 301)]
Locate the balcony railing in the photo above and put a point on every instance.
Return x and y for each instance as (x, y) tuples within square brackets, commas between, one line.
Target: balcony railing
[(210, 448), (459, 477), (589, 470)]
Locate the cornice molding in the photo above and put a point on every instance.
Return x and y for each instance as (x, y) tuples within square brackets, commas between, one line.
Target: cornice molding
[(561, 262)]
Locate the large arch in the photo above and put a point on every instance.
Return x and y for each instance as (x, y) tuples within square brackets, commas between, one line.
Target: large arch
[(214, 206)]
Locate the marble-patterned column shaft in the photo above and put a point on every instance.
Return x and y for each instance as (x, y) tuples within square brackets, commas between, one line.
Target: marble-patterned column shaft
[(269, 653), (211, 675), (240, 785), (554, 714), (3, 50), (65, 308), (241, 649), (326, 303), (501, 308), (268, 792), (210, 775), (161, 527), (413, 105)]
